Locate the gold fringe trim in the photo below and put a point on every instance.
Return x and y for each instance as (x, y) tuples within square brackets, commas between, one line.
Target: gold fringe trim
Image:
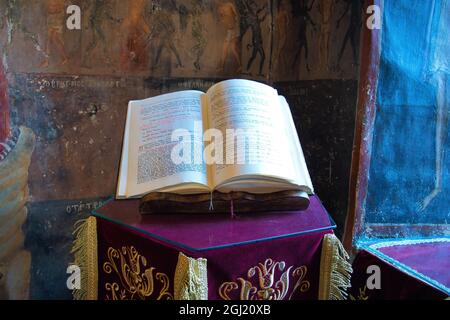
[(85, 253), (335, 270), (191, 279)]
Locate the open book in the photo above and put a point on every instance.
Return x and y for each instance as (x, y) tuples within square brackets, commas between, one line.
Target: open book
[(239, 136)]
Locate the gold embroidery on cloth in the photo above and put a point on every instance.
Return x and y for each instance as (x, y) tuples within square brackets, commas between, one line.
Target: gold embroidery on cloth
[(268, 287), (301, 284), (136, 279), (361, 296), (191, 279)]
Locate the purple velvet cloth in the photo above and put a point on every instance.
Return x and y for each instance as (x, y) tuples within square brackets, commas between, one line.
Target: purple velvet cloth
[(398, 269), (213, 231), (430, 259), (256, 256)]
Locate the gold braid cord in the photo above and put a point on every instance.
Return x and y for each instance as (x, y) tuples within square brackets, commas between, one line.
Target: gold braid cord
[(335, 270), (85, 253), (191, 279)]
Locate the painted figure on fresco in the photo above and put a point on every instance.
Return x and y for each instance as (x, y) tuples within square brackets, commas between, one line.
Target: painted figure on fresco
[(253, 17), (243, 7), (163, 31), (198, 32), (326, 8), (56, 22), (352, 34), (101, 12), (410, 149), (439, 61), (12, 15), (229, 17), (183, 13), (301, 9), (133, 53), (283, 21), (442, 105), (17, 146), (5, 130)]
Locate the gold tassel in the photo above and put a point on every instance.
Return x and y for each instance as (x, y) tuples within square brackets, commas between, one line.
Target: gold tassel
[(85, 254), (191, 279), (335, 270)]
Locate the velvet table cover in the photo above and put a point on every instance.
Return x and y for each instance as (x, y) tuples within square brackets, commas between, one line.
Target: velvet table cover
[(409, 269), (254, 256)]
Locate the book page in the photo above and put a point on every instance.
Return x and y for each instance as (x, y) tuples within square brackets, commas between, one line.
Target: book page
[(165, 144), (296, 151), (123, 171), (259, 144)]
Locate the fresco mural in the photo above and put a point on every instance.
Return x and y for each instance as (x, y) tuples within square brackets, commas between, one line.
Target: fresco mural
[(67, 93), (411, 126)]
